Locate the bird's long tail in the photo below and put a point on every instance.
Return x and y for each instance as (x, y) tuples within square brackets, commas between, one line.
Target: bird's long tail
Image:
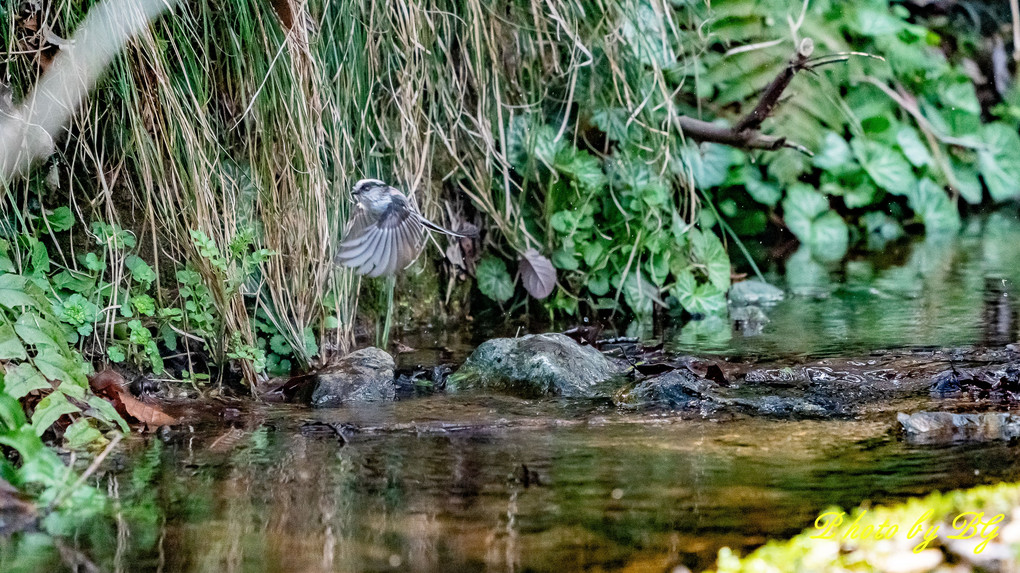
[(434, 227)]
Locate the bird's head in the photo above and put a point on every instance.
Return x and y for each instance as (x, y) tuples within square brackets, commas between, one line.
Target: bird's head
[(365, 186)]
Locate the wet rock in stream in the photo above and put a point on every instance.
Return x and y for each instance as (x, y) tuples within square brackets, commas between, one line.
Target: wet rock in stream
[(533, 366), (681, 390), (937, 427), (753, 292), (364, 375)]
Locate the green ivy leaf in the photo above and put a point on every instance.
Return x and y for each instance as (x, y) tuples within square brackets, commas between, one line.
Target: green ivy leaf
[(143, 304), (93, 263), (709, 251), (709, 163), (761, 191), (888, 168), (933, 207), (695, 298), (308, 339), (801, 206), (834, 156), (639, 293), (493, 279), (999, 161), (910, 142), (140, 270), (60, 219), (613, 122), (565, 260), (830, 236), (116, 354), (278, 344), (598, 284), (586, 170)]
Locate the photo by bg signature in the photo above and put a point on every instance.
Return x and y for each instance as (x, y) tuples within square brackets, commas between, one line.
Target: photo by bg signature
[(966, 525)]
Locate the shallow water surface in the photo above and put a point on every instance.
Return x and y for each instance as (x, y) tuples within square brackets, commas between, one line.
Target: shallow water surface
[(499, 484), (482, 483), (934, 292)]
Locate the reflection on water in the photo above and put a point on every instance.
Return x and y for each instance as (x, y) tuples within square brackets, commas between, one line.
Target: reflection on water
[(934, 292), (508, 486), (473, 483)]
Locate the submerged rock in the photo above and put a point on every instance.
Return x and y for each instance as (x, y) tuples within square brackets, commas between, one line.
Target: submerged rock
[(948, 427), (676, 390), (364, 375), (535, 365), (683, 391), (754, 292)]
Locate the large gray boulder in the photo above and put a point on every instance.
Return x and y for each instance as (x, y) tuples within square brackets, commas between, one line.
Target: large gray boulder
[(364, 375), (533, 366)]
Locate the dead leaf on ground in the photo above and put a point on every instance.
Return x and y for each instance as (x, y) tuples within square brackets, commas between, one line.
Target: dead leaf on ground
[(112, 386)]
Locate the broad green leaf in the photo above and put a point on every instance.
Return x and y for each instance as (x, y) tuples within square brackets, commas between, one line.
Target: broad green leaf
[(598, 284), (593, 252), (278, 344), (612, 121), (709, 251), (829, 237), (967, 183), (107, 412), (564, 259), (60, 219), (10, 345), (800, 207), (80, 434), (22, 379), (834, 156), (887, 167), (709, 163), (695, 298), (547, 145), (586, 170), (879, 229), (932, 205), (959, 96), (913, 148), (49, 410), (639, 293), (309, 342), (13, 291), (564, 222), (56, 366), (116, 354), (493, 279), (760, 190), (34, 329), (40, 258), (999, 161), (140, 270), (12, 416)]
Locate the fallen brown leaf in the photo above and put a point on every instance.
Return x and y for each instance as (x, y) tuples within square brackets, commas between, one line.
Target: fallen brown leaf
[(112, 386)]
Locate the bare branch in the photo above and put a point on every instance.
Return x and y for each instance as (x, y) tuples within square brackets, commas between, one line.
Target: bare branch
[(746, 134)]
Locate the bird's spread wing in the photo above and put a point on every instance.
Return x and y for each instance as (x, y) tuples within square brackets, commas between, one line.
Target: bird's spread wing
[(382, 246)]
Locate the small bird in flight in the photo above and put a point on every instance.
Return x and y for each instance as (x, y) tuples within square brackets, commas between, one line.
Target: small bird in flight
[(386, 232)]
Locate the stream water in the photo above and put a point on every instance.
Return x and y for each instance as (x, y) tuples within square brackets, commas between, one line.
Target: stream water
[(482, 483)]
